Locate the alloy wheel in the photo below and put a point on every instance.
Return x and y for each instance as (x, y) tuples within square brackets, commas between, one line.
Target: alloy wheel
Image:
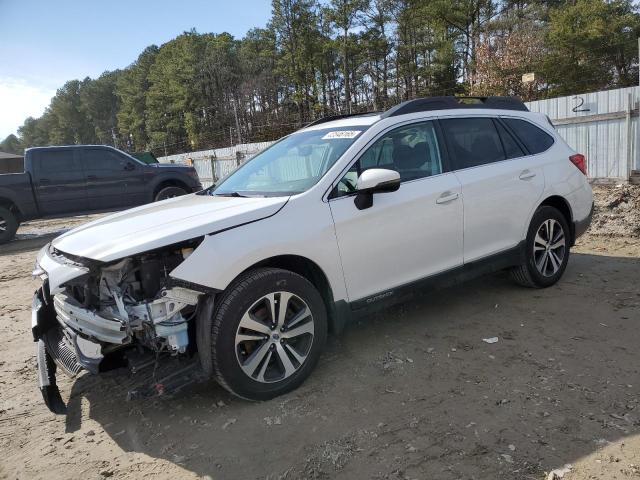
[(274, 337), (549, 247)]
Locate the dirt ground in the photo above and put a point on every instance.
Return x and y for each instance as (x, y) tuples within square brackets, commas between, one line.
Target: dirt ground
[(411, 393)]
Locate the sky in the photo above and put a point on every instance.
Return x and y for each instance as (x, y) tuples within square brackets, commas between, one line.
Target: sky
[(44, 43)]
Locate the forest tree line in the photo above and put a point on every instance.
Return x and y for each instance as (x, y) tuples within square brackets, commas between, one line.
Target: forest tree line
[(317, 58)]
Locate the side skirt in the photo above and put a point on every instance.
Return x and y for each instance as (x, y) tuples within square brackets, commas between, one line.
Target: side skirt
[(493, 263)]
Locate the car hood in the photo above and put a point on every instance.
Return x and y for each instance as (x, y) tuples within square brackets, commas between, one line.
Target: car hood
[(163, 223)]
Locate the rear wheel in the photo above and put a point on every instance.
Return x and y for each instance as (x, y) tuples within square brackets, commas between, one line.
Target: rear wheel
[(269, 329), (170, 192), (8, 225), (547, 250)]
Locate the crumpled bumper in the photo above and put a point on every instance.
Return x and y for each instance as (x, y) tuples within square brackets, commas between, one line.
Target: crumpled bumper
[(58, 346), (40, 323)]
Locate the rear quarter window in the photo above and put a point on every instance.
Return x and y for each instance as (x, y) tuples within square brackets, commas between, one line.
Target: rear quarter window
[(533, 138)]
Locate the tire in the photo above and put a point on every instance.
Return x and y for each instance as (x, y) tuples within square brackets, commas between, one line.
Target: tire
[(536, 272), (169, 192), (8, 225), (255, 369)]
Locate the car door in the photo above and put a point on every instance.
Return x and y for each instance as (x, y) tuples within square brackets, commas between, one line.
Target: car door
[(109, 175), (136, 181), (406, 235), (59, 182), (501, 184)]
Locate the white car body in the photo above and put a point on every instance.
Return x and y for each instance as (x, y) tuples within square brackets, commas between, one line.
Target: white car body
[(491, 214), (428, 227)]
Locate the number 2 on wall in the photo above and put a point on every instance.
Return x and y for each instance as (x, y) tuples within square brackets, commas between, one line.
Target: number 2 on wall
[(579, 103)]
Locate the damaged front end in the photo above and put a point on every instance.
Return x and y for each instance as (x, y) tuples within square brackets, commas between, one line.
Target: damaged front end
[(92, 315)]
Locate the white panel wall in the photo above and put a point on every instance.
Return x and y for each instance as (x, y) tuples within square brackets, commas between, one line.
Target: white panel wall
[(229, 152), (218, 163), (605, 142)]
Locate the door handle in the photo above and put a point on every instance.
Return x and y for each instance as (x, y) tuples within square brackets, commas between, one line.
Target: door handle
[(526, 175), (447, 197)]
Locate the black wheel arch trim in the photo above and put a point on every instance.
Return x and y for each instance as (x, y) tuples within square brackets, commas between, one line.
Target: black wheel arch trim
[(581, 226)]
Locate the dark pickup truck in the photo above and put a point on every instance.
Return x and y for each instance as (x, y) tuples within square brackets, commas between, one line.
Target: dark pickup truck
[(75, 180)]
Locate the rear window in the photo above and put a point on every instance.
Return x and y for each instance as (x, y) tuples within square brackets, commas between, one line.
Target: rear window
[(534, 139)]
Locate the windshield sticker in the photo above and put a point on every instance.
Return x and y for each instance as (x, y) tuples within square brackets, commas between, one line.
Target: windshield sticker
[(341, 134)]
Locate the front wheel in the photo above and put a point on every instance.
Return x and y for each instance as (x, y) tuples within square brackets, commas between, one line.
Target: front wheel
[(169, 192), (268, 331), (546, 250)]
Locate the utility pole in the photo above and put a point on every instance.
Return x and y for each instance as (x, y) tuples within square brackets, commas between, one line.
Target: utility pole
[(633, 160), (235, 112)]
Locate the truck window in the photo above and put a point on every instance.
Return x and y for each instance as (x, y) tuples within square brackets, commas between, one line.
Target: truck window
[(99, 159), (55, 161)]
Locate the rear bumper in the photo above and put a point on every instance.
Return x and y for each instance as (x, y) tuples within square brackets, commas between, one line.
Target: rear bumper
[(581, 226)]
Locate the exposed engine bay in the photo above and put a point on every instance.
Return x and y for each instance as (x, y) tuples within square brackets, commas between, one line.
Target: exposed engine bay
[(132, 302)]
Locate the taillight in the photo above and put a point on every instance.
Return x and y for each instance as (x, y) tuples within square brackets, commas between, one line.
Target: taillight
[(580, 162)]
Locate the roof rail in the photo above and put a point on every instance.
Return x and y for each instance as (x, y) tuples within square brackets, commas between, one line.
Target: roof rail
[(330, 118), (448, 103)]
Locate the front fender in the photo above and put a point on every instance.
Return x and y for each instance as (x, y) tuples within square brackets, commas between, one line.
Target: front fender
[(306, 231), (171, 177)]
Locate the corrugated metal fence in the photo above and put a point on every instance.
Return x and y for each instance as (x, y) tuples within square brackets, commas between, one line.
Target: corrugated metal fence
[(213, 165), (601, 125)]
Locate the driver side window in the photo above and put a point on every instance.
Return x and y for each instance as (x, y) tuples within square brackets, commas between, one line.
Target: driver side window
[(411, 150)]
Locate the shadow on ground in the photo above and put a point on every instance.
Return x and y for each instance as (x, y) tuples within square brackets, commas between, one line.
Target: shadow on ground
[(414, 392)]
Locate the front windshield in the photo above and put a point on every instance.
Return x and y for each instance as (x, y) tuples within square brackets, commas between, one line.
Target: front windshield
[(292, 165)]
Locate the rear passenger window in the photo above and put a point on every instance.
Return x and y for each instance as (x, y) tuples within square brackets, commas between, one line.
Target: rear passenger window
[(472, 141), (534, 139), (511, 147)]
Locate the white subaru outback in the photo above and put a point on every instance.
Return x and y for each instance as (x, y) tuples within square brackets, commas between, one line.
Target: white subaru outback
[(348, 214)]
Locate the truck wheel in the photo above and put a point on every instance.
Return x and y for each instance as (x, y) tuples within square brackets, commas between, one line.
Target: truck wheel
[(170, 192), (268, 330), (546, 250), (8, 225)]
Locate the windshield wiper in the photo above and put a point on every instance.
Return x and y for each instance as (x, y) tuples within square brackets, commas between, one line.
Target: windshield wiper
[(230, 194)]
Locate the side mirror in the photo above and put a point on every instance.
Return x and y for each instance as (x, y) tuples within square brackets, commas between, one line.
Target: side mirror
[(129, 166), (375, 180)]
